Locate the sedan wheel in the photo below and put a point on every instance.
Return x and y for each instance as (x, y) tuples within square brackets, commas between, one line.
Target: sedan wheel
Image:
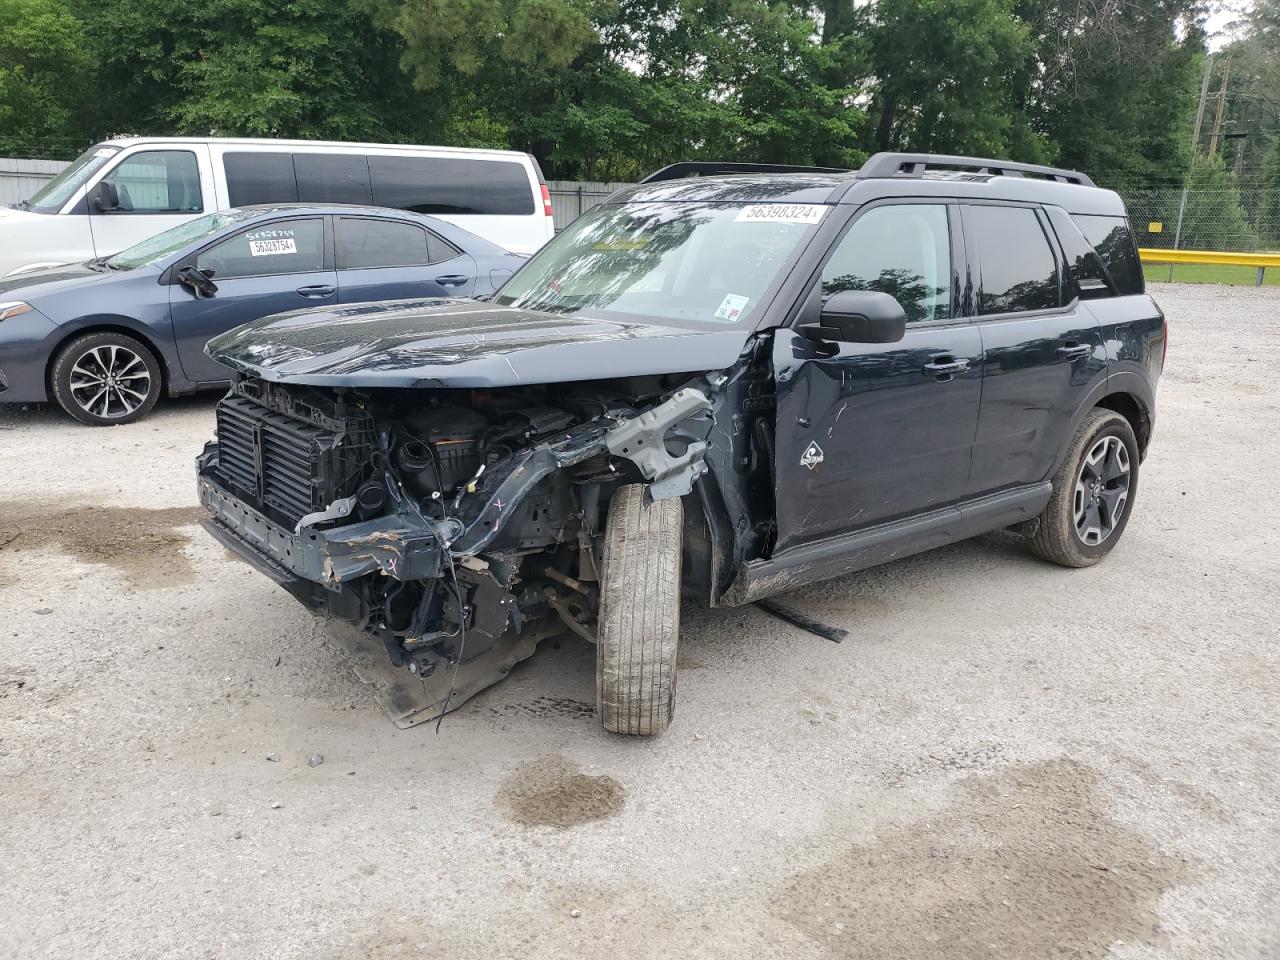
[(106, 378)]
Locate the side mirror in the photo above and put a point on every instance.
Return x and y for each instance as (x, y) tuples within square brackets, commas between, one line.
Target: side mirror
[(105, 197), (201, 287), (859, 316)]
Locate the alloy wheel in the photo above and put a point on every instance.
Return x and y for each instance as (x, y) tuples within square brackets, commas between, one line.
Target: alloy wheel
[(110, 381), (1102, 490)]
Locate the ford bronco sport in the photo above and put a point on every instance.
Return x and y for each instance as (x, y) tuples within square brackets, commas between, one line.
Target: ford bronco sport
[(723, 383)]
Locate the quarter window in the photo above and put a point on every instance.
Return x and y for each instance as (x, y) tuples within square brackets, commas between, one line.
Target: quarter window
[(902, 250), (266, 250), (1018, 268), (158, 181), (1113, 239)]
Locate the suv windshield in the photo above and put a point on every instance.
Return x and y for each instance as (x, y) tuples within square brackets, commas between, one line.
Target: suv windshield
[(684, 261), (171, 241), (53, 195)]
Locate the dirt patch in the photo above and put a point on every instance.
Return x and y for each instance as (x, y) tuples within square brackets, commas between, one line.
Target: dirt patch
[(1025, 862), (144, 545), (551, 792)]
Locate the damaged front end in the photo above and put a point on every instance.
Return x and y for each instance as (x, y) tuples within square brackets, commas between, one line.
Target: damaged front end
[(457, 526)]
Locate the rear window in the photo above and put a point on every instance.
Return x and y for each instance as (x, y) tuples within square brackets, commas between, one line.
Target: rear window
[(451, 186), (1113, 239), (1018, 268)]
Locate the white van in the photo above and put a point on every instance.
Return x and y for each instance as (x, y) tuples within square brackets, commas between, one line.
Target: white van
[(123, 191)]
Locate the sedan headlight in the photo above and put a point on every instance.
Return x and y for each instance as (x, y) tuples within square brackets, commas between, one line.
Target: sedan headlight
[(14, 308)]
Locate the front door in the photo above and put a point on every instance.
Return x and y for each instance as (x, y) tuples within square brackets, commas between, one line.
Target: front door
[(156, 190), (1042, 347), (264, 269), (870, 433), (395, 260)]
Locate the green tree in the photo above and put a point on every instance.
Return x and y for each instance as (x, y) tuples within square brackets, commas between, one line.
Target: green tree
[(945, 72), (310, 69), (44, 79), (1215, 218)]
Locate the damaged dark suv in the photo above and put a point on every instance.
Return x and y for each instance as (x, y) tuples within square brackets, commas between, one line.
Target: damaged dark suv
[(721, 384)]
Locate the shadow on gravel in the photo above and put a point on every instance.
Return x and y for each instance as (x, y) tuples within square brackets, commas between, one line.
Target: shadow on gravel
[(144, 545)]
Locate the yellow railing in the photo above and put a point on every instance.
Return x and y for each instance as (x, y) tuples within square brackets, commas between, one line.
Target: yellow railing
[(1212, 258)]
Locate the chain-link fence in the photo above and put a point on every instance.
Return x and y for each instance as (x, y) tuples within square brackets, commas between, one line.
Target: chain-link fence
[(1241, 214)]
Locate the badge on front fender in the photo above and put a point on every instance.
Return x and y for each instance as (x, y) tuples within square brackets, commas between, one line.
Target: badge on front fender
[(812, 456)]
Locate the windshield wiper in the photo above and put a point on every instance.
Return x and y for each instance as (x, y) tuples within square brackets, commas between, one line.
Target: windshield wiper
[(99, 265), (21, 205)]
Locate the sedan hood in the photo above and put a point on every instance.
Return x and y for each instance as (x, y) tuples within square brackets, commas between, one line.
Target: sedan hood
[(34, 283), (462, 343)]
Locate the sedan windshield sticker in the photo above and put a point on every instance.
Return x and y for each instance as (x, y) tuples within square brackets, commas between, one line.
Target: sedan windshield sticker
[(781, 213), (731, 307), (271, 243)]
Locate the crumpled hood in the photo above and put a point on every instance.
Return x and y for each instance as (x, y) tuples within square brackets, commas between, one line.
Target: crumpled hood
[(462, 343)]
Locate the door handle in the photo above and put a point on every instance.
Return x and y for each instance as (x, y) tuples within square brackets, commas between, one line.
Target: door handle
[(317, 291), (1074, 351), (452, 280), (945, 367)]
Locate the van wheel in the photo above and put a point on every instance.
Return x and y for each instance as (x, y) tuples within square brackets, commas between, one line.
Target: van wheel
[(1093, 493), (639, 619), (104, 379)]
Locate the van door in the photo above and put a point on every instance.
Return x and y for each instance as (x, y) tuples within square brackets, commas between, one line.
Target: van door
[(153, 190), (1042, 349), (868, 433), (394, 260)]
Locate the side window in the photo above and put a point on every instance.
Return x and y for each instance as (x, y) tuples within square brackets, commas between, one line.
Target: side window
[(448, 185), (1083, 264), (158, 181), (332, 178), (271, 249), (260, 178), (1112, 237), (903, 250), (440, 249), (380, 243), (1018, 267)]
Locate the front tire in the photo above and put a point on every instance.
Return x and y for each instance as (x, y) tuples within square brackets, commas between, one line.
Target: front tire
[(639, 618), (105, 379), (1093, 493)]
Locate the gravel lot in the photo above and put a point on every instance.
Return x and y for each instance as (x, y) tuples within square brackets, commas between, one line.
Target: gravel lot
[(1006, 759)]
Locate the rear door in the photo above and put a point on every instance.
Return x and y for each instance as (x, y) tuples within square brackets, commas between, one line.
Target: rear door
[(395, 260), (870, 433), (1042, 348), (264, 269)]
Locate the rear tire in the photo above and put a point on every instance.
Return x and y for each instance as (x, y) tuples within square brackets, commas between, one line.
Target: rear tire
[(104, 379), (639, 618), (1093, 493)]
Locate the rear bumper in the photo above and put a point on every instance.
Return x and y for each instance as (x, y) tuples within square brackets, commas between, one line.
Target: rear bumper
[(393, 546)]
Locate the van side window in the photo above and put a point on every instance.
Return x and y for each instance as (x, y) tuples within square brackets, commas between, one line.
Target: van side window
[(1017, 266), (267, 250), (451, 186), (1113, 239), (157, 182), (332, 178), (903, 250), (260, 178)]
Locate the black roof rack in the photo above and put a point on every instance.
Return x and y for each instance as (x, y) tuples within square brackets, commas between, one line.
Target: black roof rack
[(889, 165), (699, 168)]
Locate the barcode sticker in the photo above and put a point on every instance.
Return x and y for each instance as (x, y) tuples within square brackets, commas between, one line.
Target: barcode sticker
[(272, 248)]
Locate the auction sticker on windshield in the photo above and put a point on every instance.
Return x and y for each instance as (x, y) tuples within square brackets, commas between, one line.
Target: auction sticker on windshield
[(731, 307), (781, 213)]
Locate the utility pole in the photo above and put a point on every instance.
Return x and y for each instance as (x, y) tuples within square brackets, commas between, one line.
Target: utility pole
[(1195, 149), (1222, 107)]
